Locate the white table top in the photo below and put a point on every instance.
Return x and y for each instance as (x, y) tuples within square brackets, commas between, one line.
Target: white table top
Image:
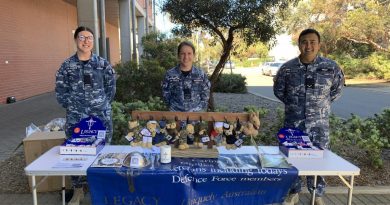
[(53, 164), (330, 165)]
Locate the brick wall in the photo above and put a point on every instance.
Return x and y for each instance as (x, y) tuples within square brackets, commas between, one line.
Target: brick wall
[(35, 38)]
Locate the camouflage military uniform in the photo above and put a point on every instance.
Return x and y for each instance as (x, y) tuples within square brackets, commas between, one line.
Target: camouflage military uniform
[(186, 93), (307, 92), (86, 89)]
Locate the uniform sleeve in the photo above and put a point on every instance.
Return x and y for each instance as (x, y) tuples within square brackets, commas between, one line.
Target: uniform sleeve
[(337, 85), (165, 90), (62, 87), (205, 94), (280, 85), (110, 82)]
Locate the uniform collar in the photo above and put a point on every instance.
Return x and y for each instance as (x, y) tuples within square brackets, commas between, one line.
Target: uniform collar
[(179, 71), (93, 57), (314, 61)]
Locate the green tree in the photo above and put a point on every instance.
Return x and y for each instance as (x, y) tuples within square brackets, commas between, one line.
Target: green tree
[(253, 20), (365, 22), (355, 33), (242, 51), (368, 22), (159, 48)]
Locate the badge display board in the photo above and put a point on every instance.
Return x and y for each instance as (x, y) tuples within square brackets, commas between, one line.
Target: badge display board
[(201, 116), (207, 152)]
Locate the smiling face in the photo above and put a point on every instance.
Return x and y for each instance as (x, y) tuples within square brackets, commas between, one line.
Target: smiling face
[(186, 56), (84, 42), (309, 45)]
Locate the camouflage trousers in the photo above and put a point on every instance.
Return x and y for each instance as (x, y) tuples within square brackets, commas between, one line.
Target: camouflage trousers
[(78, 181), (320, 187)]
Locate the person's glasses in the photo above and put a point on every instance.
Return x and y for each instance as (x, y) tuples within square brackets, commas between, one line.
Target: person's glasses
[(83, 38)]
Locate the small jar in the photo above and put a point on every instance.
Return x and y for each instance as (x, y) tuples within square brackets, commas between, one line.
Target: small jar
[(165, 154)]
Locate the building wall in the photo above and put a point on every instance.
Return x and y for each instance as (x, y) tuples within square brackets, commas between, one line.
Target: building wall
[(112, 30), (35, 38)]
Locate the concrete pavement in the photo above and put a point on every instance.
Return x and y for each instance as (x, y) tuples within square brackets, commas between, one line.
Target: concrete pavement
[(14, 118)]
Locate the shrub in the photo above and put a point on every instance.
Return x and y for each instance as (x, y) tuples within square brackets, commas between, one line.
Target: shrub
[(381, 65), (377, 65), (119, 121), (352, 67), (138, 83), (121, 115), (153, 104), (141, 81), (230, 83), (370, 135)]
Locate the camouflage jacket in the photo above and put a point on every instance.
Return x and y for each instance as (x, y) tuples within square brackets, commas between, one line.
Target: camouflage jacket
[(186, 93), (85, 89), (307, 93)]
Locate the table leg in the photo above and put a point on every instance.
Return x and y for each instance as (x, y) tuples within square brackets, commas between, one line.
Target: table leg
[(63, 190), (313, 194), (350, 190), (350, 187), (35, 201)]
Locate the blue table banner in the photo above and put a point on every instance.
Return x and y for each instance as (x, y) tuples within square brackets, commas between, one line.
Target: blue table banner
[(191, 181)]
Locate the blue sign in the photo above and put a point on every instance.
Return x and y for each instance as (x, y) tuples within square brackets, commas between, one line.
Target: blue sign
[(189, 181), (292, 137), (87, 131)]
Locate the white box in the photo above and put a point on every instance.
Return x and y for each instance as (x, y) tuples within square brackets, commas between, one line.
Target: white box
[(300, 153), (82, 150)]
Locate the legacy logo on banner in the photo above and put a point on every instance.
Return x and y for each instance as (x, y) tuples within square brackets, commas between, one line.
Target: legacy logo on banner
[(189, 182)]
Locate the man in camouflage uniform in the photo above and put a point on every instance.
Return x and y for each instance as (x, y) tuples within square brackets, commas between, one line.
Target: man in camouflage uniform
[(186, 88), (307, 85)]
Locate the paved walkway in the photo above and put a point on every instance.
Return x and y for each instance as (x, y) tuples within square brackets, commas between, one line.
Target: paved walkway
[(14, 118)]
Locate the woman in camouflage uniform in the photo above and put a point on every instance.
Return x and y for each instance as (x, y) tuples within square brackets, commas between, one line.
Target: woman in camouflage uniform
[(186, 88), (85, 85)]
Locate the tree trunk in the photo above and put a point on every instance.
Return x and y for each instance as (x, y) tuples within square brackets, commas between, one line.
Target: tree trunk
[(227, 47), (210, 107)]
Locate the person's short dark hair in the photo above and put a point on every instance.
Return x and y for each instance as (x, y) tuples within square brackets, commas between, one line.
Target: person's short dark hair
[(185, 43), (308, 31), (82, 28)]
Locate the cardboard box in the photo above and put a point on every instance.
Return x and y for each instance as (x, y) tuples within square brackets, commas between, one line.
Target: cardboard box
[(34, 146)]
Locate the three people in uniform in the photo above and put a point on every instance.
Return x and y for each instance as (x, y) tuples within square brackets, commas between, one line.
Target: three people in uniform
[(307, 85)]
